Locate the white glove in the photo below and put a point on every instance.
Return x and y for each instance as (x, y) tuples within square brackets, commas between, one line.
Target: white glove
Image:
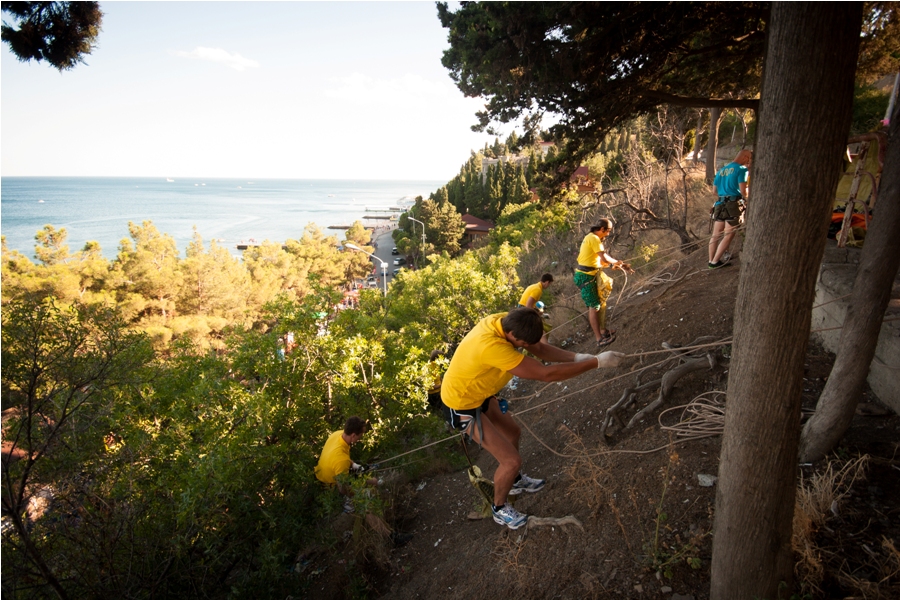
[(583, 357), (609, 359)]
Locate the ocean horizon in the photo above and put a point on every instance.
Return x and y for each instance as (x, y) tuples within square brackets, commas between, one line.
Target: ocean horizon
[(232, 211)]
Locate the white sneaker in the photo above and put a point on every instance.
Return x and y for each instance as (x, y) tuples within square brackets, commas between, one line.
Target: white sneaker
[(526, 484), (509, 516)]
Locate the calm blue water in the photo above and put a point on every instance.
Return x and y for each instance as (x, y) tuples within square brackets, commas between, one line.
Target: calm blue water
[(228, 210)]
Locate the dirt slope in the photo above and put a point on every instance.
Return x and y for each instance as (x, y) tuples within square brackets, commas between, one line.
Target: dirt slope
[(646, 518)]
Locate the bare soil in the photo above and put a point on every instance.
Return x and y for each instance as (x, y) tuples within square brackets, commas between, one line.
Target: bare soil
[(646, 517)]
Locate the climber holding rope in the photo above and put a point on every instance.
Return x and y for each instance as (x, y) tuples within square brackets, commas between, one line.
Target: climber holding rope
[(486, 359), (595, 285)]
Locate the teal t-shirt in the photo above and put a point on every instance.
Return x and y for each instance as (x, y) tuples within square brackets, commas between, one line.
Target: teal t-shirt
[(729, 179)]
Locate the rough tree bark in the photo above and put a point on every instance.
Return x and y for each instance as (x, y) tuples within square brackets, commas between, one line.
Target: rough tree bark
[(878, 266), (804, 120)]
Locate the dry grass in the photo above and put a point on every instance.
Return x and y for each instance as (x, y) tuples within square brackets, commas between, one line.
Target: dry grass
[(508, 550), (878, 578), (591, 480), (372, 540), (819, 498)]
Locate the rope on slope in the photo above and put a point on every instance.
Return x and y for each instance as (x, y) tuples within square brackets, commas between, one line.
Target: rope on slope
[(703, 406)]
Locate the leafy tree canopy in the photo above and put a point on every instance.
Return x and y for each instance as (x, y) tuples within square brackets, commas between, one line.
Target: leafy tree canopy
[(61, 33), (879, 44), (595, 65)]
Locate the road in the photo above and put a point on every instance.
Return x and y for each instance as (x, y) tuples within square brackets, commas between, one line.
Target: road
[(383, 251)]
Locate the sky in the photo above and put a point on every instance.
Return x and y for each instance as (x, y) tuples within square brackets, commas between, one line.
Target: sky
[(306, 90)]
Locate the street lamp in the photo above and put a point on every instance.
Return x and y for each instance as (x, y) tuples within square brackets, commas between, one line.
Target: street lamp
[(353, 246), (423, 231)]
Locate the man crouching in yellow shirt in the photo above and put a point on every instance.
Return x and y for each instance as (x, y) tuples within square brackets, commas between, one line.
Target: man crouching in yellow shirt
[(484, 362), (335, 457)]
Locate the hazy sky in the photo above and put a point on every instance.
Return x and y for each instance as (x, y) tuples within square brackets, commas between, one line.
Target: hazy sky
[(245, 89)]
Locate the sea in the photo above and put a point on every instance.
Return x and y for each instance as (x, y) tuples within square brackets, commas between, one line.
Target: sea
[(231, 211)]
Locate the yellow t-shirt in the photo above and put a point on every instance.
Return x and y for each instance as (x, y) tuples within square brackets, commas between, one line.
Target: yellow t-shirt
[(589, 255), (480, 367), (335, 458), (532, 291)]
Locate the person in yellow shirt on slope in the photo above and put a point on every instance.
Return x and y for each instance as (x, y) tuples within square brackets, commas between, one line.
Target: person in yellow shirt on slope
[(485, 361), (335, 457), (595, 285), (533, 293)]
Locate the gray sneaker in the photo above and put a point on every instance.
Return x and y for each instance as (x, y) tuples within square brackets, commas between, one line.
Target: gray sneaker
[(509, 516), (526, 484)]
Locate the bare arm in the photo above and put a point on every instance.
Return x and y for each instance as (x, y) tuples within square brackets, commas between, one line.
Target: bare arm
[(530, 368), (551, 353), (743, 190), (617, 264), (530, 302)]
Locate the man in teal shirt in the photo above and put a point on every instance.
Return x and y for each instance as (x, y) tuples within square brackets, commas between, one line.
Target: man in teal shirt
[(730, 186)]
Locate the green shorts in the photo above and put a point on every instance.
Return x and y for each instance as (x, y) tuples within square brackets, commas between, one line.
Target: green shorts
[(595, 289)]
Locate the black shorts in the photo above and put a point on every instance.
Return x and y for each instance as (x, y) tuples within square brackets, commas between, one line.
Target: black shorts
[(461, 419), (730, 212)]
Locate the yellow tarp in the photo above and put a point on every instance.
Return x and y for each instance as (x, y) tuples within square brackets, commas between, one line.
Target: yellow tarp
[(865, 183)]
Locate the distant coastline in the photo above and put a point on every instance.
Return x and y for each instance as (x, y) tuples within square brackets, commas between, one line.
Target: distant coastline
[(227, 210)]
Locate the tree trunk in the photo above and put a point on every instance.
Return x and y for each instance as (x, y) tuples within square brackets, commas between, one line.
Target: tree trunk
[(714, 114), (696, 158), (878, 266), (811, 57)]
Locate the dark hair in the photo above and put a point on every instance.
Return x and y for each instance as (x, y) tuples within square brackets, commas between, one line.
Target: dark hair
[(355, 425), (547, 277), (437, 353), (601, 224), (524, 323)]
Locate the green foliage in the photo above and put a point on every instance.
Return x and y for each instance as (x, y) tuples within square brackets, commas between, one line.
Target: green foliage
[(215, 284), (606, 166), (443, 226), (441, 303), (521, 223), (646, 253), (66, 373), (869, 108), (51, 248), (879, 49), (147, 266)]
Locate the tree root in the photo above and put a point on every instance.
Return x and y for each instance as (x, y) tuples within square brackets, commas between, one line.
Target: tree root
[(668, 382), (553, 521), (693, 362)]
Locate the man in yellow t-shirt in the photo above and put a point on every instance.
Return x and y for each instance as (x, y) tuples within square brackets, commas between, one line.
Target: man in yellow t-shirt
[(533, 293), (485, 361), (595, 285), (335, 457)]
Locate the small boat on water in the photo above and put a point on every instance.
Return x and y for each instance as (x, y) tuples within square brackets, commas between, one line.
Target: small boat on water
[(40, 201), (170, 180)]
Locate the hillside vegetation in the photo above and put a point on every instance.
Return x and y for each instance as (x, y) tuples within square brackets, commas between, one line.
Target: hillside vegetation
[(156, 444)]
